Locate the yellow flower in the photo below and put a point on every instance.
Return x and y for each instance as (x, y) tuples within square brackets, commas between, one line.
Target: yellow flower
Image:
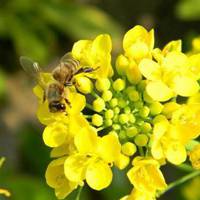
[(194, 156), (139, 195), (171, 77), (138, 43), (186, 120), (91, 162), (95, 54), (56, 179), (175, 45), (146, 176), (165, 144)]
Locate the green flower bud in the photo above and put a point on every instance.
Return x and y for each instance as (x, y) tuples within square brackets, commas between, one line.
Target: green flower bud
[(97, 120), (127, 109), (116, 118), (141, 140), (102, 84), (159, 118), (144, 112), (122, 103), (138, 105), (123, 118), (131, 132), (107, 95), (146, 127), (108, 122), (122, 64), (116, 126), (147, 98), (122, 135), (98, 104), (132, 118), (133, 94), (116, 110), (156, 108), (113, 102), (109, 114), (129, 149), (142, 85), (119, 84), (84, 84)]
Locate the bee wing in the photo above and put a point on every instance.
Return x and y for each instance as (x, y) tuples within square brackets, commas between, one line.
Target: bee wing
[(33, 69), (68, 59)]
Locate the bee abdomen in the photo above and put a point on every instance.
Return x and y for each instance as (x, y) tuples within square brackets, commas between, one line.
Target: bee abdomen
[(54, 92)]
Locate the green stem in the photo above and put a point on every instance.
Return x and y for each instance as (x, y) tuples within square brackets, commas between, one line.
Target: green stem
[(95, 94), (89, 106), (185, 167), (141, 151), (79, 193), (180, 181)]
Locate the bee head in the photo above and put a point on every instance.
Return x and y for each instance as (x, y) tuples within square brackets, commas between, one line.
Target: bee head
[(56, 106)]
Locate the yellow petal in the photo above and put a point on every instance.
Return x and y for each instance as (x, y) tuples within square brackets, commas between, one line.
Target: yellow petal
[(63, 191), (138, 33), (150, 69), (176, 153), (133, 73), (98, 175), (79, 48), (159, 91), (157, 150), (77, 101), (86, 140), (102, 45), (122, 161), (175, 45), (46, 117), (138, 50), (76, 122), (176, 61), (185, 86), (109, 148), (195, 65), (54, 134), (55, 173), (75, 167), (65, 149)]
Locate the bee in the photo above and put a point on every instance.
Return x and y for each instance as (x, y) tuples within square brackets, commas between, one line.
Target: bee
[(63, 75)]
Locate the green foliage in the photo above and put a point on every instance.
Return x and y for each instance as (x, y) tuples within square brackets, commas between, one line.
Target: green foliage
[(26, 187), (35, 26), (188, 9)]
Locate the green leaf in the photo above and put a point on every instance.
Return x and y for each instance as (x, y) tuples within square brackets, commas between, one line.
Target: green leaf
[(188, 9), (80, 21)]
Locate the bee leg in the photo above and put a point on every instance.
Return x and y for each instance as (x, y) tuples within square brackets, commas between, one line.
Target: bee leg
[(84, 70), (44, 98), (68, 84), (68, 102)]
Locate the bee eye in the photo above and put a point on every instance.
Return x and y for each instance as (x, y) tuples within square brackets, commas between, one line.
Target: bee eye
[(62, 106)]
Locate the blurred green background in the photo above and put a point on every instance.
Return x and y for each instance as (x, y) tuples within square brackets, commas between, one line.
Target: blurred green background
[(46, 29)]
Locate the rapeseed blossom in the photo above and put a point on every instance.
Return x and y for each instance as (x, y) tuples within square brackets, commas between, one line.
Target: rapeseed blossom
[(139, 113)]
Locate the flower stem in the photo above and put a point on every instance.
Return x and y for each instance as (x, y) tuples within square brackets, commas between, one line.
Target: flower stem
[(180, 181), (185, 167), (79, 193)]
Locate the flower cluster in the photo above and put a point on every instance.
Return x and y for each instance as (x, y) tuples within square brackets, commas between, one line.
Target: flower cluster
[(138, 112)]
